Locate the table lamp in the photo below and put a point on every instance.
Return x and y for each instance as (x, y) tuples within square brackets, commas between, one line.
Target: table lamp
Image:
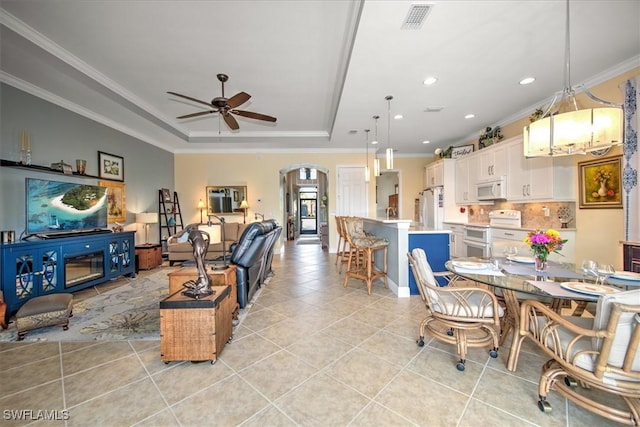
[(201, 207), (146, 218), (244, 205)]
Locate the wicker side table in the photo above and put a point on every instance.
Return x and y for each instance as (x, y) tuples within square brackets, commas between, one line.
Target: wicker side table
[(195, 330)]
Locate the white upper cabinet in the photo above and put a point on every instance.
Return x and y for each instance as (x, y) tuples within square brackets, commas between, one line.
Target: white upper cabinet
[(538, 178), (466, 175), (434, 174), (492, 162)]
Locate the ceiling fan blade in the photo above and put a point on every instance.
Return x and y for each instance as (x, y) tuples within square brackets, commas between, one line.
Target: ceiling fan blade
[(190, 98), (252, 115), (238, 99), (230, 121), (201, 113)]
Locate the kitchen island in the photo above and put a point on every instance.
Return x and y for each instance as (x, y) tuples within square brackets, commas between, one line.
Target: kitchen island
[(403, 236)]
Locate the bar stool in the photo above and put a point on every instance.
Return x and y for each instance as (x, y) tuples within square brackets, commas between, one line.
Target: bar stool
[(341, 252), (361, 260)]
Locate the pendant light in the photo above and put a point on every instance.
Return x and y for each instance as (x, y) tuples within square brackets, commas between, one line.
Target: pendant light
[(367, 172), (376, 160), (566, 129), (389, 155)]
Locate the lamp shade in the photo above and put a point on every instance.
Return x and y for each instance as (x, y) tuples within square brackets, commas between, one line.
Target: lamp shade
[(214, 232), (201, 204), (244, 205), (147, 217)]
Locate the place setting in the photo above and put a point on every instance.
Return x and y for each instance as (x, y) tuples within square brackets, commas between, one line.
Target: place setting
[(474, 267)]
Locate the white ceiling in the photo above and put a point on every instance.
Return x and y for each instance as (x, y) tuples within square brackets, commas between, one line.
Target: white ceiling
[(323, 68)]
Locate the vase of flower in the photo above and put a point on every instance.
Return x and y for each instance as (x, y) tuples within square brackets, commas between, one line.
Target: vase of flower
[(602, 191), (542, 244), (540, 263)]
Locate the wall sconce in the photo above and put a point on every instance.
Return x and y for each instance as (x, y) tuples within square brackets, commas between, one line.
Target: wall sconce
[(244, 205), (201, 207)]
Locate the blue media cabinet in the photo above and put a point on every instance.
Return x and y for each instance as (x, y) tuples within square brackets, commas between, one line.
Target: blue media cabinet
[(436, 245), (63, 265)]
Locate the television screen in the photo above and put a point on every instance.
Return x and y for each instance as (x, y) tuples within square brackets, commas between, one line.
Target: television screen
[(54, 206)]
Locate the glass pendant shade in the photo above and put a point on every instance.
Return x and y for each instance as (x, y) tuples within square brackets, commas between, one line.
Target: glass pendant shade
[(376, 167), (367, 174), (574, 132), (389, 158)]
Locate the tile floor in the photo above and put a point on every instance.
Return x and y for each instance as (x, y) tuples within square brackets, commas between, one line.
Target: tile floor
[(309, 353)]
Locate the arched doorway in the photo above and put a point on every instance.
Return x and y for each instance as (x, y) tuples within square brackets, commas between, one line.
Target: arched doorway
[(303, 195)]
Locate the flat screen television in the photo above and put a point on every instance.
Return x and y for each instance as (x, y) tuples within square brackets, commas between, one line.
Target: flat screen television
[(57, 207)]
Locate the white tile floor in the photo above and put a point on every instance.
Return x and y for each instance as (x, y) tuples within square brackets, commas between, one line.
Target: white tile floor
[(309, 353)]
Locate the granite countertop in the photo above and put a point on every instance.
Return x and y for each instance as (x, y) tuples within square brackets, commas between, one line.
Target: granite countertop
[(421, 229)]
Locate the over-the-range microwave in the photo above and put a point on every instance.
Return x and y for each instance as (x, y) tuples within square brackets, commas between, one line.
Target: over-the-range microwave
[(494, 189)]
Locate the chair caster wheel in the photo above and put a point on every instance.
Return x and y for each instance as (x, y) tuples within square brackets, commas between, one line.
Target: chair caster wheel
[(544, 406), (460, 366), (420, 342), (570, 382), (450, 332), (493, 353)]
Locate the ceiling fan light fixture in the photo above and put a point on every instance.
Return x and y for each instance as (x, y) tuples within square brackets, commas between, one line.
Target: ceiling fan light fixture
[(565, 129)]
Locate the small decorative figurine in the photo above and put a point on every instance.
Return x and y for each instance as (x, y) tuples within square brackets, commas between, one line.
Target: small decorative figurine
[(200, 287)]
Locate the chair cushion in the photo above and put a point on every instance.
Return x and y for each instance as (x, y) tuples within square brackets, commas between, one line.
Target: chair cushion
[(625, 325)]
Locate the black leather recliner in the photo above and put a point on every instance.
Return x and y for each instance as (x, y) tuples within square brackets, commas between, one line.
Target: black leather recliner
[(248, 256)]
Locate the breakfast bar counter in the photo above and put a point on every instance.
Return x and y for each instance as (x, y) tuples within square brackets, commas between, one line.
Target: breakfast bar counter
[(403, 235)]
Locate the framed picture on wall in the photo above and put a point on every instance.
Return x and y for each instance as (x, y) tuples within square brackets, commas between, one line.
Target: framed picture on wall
[(166, 195), (116, 197), (110, 166), (601, 183)]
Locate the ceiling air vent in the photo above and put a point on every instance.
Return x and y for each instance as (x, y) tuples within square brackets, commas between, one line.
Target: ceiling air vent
[(415, 17), (433, 109)]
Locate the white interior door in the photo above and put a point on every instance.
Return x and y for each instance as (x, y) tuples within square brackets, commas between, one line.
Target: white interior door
[(352, 191)]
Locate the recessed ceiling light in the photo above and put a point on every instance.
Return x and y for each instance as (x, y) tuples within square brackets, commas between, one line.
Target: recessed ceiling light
[(426, 142), (398, 116), (374, 142), (429, 81), (469, 116), (527, 80)]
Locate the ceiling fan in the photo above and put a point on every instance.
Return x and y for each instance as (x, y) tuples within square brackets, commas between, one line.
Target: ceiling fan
[(225, 106)]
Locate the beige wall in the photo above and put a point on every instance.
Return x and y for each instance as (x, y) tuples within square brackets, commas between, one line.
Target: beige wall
[(261, 174)]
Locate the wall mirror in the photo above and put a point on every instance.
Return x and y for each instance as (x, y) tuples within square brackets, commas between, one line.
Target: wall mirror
[(225, 199)]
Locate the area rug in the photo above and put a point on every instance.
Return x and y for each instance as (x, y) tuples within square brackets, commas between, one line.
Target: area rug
[(129, 312)]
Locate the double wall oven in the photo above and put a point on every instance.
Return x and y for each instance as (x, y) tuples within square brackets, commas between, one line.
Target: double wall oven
[(477, 240), (477, 237)]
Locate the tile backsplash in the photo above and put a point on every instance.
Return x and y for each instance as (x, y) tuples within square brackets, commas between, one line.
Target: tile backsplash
[(533, 214)]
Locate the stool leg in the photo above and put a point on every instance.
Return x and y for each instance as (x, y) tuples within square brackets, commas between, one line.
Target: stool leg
[(369, 261)]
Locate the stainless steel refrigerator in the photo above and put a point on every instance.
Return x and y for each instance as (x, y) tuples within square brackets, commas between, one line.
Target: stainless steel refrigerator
[(432, 207)]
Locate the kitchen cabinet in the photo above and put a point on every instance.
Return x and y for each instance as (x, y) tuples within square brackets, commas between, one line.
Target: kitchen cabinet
[(456, 240), (492, 162), (434, 174), (466, 176), (537, 178)]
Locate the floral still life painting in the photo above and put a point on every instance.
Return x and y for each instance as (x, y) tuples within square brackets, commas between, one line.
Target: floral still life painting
[(601, 183)]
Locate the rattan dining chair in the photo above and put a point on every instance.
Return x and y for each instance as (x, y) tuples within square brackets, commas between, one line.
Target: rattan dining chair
[(453, 311), (599, 353)]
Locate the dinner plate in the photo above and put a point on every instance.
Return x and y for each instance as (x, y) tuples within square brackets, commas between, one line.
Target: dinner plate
[(522, 259), (626, 275), (469, 265), (589, 288)]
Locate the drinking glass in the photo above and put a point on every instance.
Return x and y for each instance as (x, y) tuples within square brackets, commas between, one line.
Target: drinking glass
[(604, 272), (590, 268), (509, 252)]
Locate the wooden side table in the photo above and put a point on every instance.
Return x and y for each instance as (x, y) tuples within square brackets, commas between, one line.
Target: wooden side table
[(149, 256), (195, 329), (218, 278)]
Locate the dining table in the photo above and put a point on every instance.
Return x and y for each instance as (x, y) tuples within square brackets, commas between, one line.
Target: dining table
[(516, 279)]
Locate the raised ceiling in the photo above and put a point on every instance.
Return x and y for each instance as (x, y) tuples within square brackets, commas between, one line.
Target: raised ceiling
[(323, 68)]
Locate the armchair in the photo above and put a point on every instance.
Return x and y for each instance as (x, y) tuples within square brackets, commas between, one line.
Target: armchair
[(455, 310), (600, 353)]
